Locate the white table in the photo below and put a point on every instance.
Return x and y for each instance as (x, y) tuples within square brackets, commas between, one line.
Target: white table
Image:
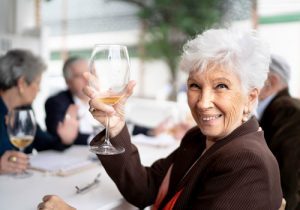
[(25, 194)]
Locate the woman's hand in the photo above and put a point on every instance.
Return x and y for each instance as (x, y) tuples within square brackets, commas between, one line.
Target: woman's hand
[(13, 162), (54, 202), (100, 110)]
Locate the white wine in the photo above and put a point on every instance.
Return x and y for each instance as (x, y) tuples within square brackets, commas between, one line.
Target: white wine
[(21, 142), (110, 100), (110, 74)]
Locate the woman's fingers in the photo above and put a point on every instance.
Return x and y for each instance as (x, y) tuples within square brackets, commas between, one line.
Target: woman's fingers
[(96, 106), (14, 162), (22, 157), (54, 202), (21, 162), (100, 109), (94, 86), (47, 203), (130, 87), (47, 197), (14, 167), (128, 91), (89, 92)]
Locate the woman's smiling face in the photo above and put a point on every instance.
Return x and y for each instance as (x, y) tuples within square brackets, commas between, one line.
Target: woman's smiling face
[(217, 101)]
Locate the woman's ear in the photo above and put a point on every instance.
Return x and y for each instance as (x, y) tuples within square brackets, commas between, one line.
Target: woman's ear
[(252, 98), (21, 83), (250, 103)]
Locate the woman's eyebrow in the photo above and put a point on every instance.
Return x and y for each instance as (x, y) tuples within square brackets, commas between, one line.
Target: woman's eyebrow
[(221, 79)]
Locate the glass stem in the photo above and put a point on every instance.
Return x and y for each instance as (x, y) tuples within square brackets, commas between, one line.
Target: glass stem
[(106, 140)]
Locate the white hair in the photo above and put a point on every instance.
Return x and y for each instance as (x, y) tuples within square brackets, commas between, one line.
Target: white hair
[(242, 52), (280, 66)]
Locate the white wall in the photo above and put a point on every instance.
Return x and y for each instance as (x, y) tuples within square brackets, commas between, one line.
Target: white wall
[(284, 40), (86, 41)]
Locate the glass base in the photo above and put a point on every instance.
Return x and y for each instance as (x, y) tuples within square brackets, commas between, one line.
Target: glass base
[(106, 150), (22, 175)]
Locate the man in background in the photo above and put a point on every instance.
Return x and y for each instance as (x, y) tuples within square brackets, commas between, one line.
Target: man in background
[(71, 102), (279, 117)]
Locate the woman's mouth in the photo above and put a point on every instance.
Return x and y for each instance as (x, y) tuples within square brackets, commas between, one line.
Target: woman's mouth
[(209, 118)]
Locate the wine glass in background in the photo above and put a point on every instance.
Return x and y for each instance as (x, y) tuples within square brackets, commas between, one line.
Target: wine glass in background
[(21, 129), (110, 66)]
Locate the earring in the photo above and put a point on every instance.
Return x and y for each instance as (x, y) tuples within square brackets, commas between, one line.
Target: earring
[(245, 115)]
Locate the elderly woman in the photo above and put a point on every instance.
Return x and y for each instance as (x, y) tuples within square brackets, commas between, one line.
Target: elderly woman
[(20, 76), (223, 162)]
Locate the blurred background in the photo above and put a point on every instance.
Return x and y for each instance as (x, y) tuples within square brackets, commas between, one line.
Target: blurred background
[(153, 30)]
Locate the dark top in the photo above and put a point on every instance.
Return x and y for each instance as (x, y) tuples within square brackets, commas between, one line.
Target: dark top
[(237, 172), (42, 140), (281, 124), (56, 108), (4, 139)]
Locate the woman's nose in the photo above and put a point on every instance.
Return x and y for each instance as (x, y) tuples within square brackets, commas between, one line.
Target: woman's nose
[(205, 100)]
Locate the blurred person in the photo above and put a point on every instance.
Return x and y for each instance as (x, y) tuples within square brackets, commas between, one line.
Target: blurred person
[(20, 76), (279, 117), (223, 162), (175, 125), (176, 129), (57, 107)]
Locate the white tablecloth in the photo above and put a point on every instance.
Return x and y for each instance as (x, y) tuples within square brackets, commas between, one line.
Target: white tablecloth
[(26, 193)]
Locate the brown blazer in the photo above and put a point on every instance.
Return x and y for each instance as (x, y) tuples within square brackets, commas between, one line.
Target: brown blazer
[(237, 173), (281, 124)]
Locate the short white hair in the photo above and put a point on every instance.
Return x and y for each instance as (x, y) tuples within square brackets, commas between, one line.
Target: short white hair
[(242, 52), (280, 66)]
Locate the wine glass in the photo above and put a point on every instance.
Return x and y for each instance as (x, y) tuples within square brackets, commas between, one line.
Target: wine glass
[(109, 64), (21, 129)]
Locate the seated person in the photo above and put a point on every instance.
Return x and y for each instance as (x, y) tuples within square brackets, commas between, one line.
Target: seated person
[(176, 129), (279, 117), (20, 76), (224, 161), (58, 107)]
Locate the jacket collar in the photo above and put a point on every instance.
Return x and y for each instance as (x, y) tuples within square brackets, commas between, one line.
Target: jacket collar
[(188, 182)]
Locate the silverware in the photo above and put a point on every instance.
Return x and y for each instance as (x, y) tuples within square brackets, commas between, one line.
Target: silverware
[(88, 186)]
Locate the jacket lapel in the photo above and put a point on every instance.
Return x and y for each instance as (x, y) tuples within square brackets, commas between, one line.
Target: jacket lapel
[(197, 172)]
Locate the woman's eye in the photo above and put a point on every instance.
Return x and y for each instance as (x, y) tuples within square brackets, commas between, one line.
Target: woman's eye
[(221, 86), (193, 85)]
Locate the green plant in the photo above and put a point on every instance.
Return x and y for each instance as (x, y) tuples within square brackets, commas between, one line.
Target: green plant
[(168, 24)]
